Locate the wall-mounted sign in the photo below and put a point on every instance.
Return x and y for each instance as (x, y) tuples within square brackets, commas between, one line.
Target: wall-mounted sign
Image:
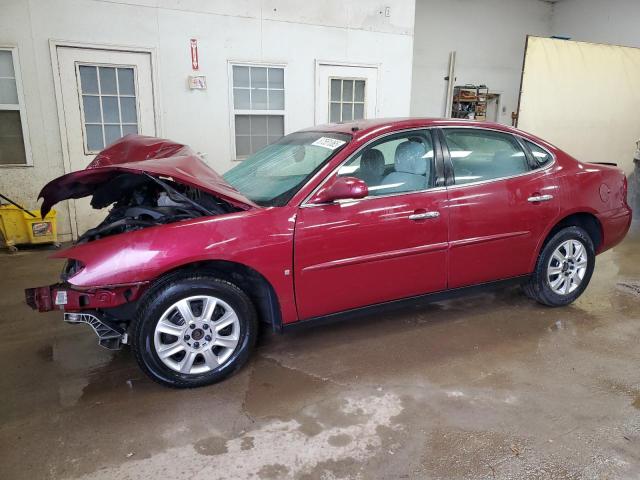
[(197, 82), (194, 54)]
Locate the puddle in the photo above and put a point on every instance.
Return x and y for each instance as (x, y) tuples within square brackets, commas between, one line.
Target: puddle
[(211, 446), (278, 391)]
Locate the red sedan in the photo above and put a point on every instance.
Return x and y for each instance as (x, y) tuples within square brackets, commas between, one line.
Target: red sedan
[(325, 221)]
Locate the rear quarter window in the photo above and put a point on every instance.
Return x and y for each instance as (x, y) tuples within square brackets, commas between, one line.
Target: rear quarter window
[(541, 156)]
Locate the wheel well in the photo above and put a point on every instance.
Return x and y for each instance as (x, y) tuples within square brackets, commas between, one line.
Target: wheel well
[(257, 288), (587, 221)]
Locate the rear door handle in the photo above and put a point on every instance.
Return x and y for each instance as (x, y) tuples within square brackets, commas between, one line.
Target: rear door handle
[(540, 198), (423, 216)]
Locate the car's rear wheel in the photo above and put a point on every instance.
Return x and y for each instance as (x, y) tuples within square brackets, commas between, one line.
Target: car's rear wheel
[(563, 269), (194, 330)]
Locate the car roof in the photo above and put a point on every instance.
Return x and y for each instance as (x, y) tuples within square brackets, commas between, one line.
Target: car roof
[(363, 128)]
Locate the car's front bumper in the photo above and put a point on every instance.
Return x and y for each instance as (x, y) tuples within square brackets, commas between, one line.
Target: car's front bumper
[(63, 296), (93, 307)]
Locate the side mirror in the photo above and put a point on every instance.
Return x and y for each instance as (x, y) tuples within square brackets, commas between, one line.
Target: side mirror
[(341, 188)]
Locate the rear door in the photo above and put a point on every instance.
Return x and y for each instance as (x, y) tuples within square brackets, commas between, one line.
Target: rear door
[(501, 201), (390, 245)]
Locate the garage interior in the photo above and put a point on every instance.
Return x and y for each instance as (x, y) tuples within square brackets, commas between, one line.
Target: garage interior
[(489, 386)]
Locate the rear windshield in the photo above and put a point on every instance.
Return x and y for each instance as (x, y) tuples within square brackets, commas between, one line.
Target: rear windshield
[(271, 176)]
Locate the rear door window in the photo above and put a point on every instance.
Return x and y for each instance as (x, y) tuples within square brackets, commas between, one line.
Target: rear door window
[(478, 155)]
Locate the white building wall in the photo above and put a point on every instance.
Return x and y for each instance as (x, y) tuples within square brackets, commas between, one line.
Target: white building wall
[(488, 37), (293, 32), (616, 22)]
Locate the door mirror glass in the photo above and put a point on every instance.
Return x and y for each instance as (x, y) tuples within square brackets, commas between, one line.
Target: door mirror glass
[(341, 188)]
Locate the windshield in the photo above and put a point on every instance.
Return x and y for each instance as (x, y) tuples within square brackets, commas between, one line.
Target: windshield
[(272, 175)]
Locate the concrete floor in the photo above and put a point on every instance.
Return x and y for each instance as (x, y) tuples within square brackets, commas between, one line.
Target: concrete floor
[(491, 386)]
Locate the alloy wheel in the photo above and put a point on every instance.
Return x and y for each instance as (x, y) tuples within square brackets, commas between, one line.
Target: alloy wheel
[(197, 334), (567, 267)]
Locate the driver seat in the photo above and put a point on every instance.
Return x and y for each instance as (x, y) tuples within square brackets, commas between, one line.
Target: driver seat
[(411, 169), (371, 167)]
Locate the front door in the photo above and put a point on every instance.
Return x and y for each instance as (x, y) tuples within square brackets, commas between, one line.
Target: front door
[(390, 245), (495, 223), (345, 93), (105, 95)]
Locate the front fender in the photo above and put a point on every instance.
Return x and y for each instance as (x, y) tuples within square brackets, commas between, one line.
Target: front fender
[(261, 239)]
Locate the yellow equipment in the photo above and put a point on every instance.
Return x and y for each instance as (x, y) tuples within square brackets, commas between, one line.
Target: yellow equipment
[(20, 226)]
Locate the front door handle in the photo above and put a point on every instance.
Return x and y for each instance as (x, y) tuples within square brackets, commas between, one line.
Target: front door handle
[(423, 216), (540, 198)]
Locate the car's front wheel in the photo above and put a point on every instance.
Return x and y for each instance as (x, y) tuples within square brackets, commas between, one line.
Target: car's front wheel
[(194, 330), (563, 269)]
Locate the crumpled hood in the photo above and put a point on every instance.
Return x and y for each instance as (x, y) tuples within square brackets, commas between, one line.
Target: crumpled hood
[(141, 154)]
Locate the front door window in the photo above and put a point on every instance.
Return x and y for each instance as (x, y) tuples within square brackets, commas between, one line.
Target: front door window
[(398, 163)]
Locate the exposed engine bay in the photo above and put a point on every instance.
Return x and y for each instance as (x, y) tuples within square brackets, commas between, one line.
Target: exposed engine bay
[(142, 200)]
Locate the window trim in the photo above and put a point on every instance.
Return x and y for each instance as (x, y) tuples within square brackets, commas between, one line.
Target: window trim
[(534, 163), (232, 110), (352, 102), (438, 164), (449, 166), (17, 71), (83, 123)]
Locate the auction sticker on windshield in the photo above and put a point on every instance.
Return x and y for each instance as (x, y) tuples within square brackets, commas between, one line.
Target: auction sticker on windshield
[(330, 143)]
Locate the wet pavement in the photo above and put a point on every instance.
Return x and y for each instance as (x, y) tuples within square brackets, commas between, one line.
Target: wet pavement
[(489, 386)]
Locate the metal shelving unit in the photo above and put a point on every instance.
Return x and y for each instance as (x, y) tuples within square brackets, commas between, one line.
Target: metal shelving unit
[(470, 101)]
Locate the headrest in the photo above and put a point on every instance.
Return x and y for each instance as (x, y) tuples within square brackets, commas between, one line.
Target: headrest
[(372, 160), (409, 158)]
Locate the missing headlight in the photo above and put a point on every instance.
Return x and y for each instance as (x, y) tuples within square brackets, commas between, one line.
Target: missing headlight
[(70, 269)]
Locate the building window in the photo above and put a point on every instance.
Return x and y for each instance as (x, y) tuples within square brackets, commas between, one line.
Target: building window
[(258, 107), (346, 99), (13, 132), (109, 104)]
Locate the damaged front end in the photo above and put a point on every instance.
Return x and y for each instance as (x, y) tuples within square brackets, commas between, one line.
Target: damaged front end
[(146, 182), (104, 309), (142, 200)]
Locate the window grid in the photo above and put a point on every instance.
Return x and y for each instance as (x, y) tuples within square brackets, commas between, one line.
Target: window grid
[(249, 139), (251, 87), (273, 131), (99, 95), (14, 105), (351, 104), (14, 149)]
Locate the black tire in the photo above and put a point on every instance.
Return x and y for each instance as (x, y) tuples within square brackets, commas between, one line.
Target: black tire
[(538, 287), (165, 294)]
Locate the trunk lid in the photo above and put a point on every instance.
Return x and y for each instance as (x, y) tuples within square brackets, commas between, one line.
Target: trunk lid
[(142, 154)]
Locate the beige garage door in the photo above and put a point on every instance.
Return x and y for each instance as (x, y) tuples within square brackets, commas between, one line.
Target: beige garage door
[(582, 97)]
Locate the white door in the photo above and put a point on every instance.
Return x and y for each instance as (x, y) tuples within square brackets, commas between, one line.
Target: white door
[(345, 93), (493, 107), (106, 94)]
